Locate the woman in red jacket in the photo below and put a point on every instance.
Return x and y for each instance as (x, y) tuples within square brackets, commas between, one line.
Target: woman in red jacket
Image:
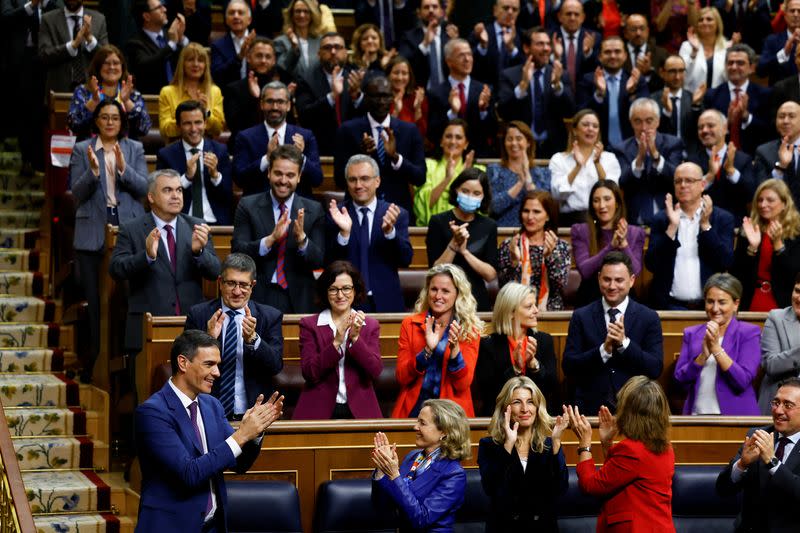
[(439, 344), (636, 477)]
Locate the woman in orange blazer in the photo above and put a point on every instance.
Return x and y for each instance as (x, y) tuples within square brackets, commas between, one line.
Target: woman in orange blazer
[(438, 345), (636, 477)]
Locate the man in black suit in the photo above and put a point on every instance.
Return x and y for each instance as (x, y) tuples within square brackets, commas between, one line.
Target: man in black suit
[(497, 45), (689, 241), (424, 45), (767, 468), (152, 52), (680, 109), (728, 172), (610, 90), (786, 89), (778, 158), (647, 160), (163, 255), (204, 166), (643, 53), (750, 18), (229, 52), (393, 17), (612, 339), (253, 145), (249, 332), (577, 47), (284, 234), (532, 14), (268, 18), (330, 94), (538, 94), (396, 146), (372, 234), (775, 61), (462, 96), (746, 104)]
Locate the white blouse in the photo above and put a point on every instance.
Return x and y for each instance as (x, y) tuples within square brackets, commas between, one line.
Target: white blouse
[(575, 196)]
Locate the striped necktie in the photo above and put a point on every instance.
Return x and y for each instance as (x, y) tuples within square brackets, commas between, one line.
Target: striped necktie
[(227, 368)]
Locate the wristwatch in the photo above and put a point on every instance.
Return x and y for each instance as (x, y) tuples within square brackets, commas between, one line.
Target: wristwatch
[(584, 449), (773, 462)]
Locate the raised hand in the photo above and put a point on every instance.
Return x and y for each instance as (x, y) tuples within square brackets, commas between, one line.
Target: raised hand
[(249, 323), (580, 426), (389, 218), (729, 168), (633, 81), (588, 42), (298, 228), (94, 162), (337, 81), (419, 97), (673, 211), (357, 321), (510, 430), (560, 424), (430, 32), (558, 71), (705, 212), (433, 333), (786, 152), (342, 325), (765, 443), (280, 230), (354, 80), (119, 159), (484, 98), (666, 102), (481, 34), (558, 45), (340, 217), (191, 166), (530, 353), (454, 101), (509, 38), (390, 144), (750, 452), (598, 152), (514, 250), (215, 323), (151, 243), (210, 161), (600, 86), (580, 159), (753, 234), (775, 232), (527, 74), (469, 160), (273, 144), (550, 240), (125, 91), (252, 84), (200, 237), (386, 461), (607, 427), (699, 94), (368, 144), (452, 31), (693, 39), (645, 63), (453, 338), (388, 56), (93, 86)]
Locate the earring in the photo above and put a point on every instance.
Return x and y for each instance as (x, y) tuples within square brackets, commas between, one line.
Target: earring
[(443, 437)]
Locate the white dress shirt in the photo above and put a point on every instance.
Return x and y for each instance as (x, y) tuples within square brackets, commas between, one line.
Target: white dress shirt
[(325, 319), (575, 196), (89, 45), (237, 45), (208, 213), (373, 126), (622, 308), (686, 278), (706, 402)]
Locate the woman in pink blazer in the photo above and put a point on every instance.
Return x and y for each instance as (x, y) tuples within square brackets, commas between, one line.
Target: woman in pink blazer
[(339, 351)]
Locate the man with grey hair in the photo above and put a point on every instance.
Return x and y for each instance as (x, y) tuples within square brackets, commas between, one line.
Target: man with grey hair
[(689, 241), (163, 255), (372, 234), (254, 145), (728, 172), (229, 52), (249, 333), (647, 160)]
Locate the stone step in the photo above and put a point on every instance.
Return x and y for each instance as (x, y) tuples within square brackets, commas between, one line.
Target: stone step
[(26, 309), (18, 238), (21, 360), (16, 334), (20, 219), (11, 180), (83, 523), (48, 421), (18, 260), (74, 491), (21, 200), (46, 390)]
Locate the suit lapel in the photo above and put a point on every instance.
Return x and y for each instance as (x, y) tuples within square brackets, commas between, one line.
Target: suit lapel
[(599, 318), (183, 242), (162, 257), (182, 417)]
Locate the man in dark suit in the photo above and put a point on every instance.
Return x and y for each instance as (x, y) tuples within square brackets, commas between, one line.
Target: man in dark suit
[(163, 255), (786, 89), (643, 53), (330, 94), (689, 241), (152, 52), (778, 158), (268, 18), (393, 17), (610, 90), (228, 53), (751, 19), (728, 172), (538, 94), (680, 109), (396, 146), (532, 13), (284, 233), (249, 332), (576, 46), (775, 61), (204, 166), (767, 468), (496, 45), (67, 41), (612, 339), (462, 96), (647, 160), (196, 15), (424, 45), (253, 145), (746, 104), (372, 234), (184, 442)]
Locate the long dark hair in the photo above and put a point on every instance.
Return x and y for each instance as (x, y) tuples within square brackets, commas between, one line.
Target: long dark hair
[(595, 229)]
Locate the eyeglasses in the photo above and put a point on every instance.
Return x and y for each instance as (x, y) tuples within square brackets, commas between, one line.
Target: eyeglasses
[(787, 406), (272, 101), (332, 47), (347, 290), (687, 181), (243, 285)]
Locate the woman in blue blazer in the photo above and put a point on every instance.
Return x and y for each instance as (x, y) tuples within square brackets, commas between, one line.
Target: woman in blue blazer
[(427, 488), (720, 359)]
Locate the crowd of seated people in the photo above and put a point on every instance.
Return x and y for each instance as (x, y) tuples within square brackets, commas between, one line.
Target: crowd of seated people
[(636, 140)]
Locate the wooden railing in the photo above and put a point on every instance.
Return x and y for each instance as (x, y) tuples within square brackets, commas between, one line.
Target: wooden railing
[(15, 511)]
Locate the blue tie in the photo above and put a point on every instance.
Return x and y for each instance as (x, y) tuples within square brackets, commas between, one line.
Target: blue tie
[(168, 65), (381, 148), (227, 368), (614, 130), (538, 103), (363, 246)]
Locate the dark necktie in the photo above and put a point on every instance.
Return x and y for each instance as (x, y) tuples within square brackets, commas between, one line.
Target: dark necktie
[(193, 418), (197, 187), (363, 246), (167, 64), (280, 274), (674, 116), (76, 25), (782, 442), (33, 27), (636, 51), (538, 103), (612, 314), (433, 60), (571, 65), (173, 263), (76, 65), (386, 22), (381, 147), (226, 383)]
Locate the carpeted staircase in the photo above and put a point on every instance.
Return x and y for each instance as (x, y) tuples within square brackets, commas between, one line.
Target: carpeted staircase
[(59, 427)]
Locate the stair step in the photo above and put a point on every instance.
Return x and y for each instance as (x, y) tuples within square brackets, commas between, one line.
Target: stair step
[(18, 238), (48, 421), (50, 390), (22, 200), (20, 360), (20, 219), (16, 334), (21, 283), (10, 180), (58, 492), (95, 401), (10, 160), (26, 309), (82, 523), (53, 453), (19, 260)]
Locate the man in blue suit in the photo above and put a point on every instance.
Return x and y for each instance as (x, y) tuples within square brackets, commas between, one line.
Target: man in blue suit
[(776, 60), (577, 47), (612, 339), (396, 146), (228, 53), (252, 344), (253, 145), (372, 234), (185, 443), (497, 45), (689, 241), (204, 166)]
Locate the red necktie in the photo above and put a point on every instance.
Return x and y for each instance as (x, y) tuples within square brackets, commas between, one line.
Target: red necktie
[(542, 12), (280, 274), (719, 168), (462, 97), (571, 67), (736, 120)]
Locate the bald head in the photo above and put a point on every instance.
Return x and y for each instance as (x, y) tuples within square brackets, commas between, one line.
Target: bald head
[(787, 120), (571, 15)]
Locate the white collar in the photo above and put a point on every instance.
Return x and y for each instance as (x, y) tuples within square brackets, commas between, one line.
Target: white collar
[(185, 400), (325, 318), (696, 214), (68, 13), (280, 129), (160, 223), (454, 82), (742, 87), (187, 146), (374, 123), (721, 152), (225, 308), (371, 206), (622, 307), (276, 203)]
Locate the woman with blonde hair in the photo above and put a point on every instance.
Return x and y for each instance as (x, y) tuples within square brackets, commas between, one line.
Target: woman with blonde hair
[(192, 81), (767, 254), (428, 487), (367, 49), (304, 24), (523, 471), (635, 480), (438, 345), (703, 51), (516, 348)]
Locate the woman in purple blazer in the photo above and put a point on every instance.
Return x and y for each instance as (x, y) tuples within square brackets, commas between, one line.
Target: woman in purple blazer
[(720, 359), (339, 351)]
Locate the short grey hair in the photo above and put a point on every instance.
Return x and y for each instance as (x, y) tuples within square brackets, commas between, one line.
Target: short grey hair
[(274, 86), (361, 158), (643, 103), (243, 2), (452, 43), (724, 282), (153, 176), (717, 113), (239, 262)]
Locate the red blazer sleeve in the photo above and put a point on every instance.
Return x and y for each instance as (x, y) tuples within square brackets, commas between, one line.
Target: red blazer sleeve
[(620, 469)]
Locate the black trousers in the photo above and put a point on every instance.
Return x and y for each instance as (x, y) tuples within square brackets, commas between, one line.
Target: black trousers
[(88, 279)]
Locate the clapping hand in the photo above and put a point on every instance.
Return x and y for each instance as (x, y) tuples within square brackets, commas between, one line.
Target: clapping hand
[(750, 452), (341, 217), (580, 426), (753, 234), (550, 240), (299, 232), (775, 232), (559, 425), (433, 333), (510, 430), (705, 212), (515, 250), (615, 335), (151, 243), (390, 219), (249, 323), (607, 427), (200, 237), (358, 319), (119, 159), (673, 211), (453, 338), (258, 418), (94, 162), (215, 323), (620, 238), (384, 457)]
